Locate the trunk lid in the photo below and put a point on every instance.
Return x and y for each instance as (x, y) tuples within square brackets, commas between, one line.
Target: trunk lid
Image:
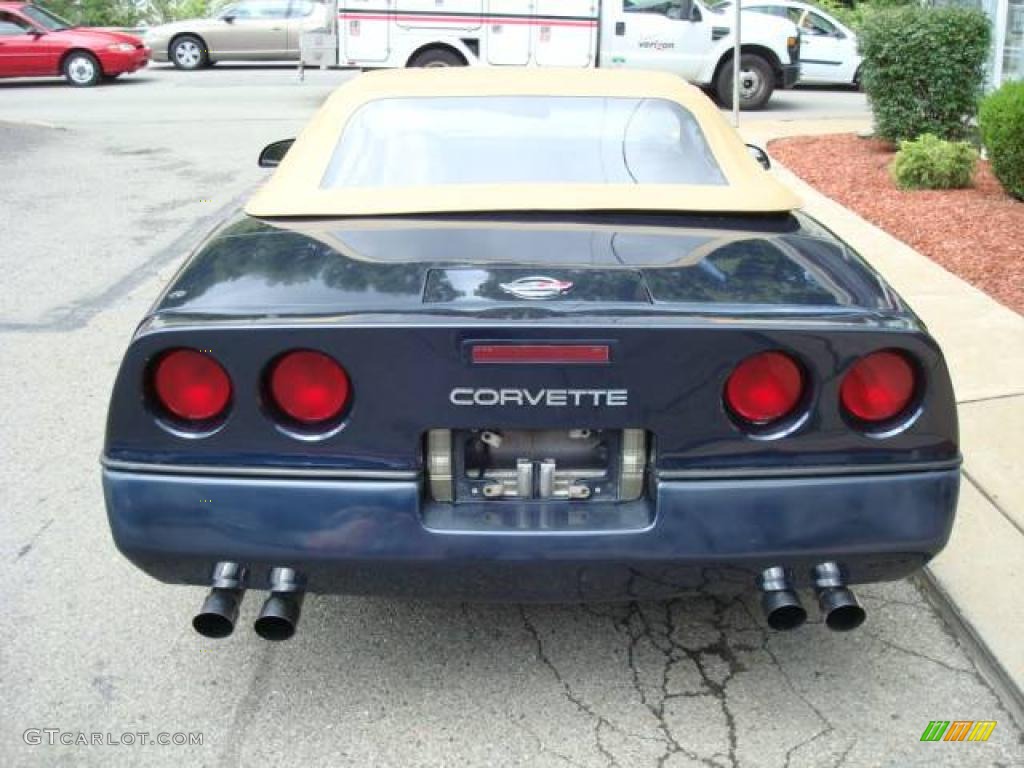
[(537, 267)]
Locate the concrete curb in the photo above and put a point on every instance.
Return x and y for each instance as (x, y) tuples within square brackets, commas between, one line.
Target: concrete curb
[(985, 661)]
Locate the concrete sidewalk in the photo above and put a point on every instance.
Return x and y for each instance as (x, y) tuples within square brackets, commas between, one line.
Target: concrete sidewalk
[(977, 578)]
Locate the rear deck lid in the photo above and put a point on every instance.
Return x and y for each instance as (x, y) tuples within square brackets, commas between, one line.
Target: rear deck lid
[(529, 267)]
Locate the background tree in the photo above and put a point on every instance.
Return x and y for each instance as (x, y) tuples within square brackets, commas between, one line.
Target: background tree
[(96, 13), (853, 12), (163, 11), (131, 13)]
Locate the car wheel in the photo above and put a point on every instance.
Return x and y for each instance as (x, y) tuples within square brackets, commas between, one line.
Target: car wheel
[(82, 70), (757, 81), (437, 57), (189, 52)]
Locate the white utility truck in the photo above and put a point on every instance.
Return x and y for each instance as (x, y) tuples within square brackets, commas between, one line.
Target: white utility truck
[(680, 36)]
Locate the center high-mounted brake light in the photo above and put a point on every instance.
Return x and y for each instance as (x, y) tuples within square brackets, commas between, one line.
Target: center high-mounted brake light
[(563, 354), (191, 385), (309, 387), (764, 388)]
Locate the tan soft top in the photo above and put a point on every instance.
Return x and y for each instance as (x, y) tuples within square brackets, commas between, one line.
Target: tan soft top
[(295, 190)]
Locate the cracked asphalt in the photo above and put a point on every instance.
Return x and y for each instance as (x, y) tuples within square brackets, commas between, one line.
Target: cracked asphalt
[(101, 193)]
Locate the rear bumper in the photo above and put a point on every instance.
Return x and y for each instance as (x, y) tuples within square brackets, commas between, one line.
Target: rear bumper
[(368, 536)]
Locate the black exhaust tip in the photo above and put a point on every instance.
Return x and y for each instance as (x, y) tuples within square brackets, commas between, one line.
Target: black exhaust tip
[(838, 605), (279, 616), (783, 610), (840, 608), (781, 606), (217, 617)]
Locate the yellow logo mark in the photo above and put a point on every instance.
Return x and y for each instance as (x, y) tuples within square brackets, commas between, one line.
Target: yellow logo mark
[(982, 730), (958, 730)]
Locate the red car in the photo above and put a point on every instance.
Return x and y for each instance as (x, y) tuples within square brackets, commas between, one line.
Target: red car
[(37, 43)]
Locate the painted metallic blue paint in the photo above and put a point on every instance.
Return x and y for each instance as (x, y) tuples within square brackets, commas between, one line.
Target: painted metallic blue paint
[(369, 536), (402, 376), (629, 263), (678, 299)]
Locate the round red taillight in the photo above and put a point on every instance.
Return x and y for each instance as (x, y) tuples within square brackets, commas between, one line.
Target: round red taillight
[(765, 388), (879, 387), (191, 385), (309, 387)]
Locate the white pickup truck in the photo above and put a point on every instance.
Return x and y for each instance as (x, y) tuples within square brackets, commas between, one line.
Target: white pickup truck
[(680, 36)]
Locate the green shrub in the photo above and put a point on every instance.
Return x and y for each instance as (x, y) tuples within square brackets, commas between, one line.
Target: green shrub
[(929, 162), (923, 69), (1002, 132)]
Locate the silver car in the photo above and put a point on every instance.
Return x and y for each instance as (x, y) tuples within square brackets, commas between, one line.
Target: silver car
[(249, 30)]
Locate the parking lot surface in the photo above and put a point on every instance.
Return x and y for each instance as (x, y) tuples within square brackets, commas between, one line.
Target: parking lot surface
[(103, 192)]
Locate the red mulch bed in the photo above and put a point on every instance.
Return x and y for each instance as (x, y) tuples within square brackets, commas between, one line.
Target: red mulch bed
[(977, 233)]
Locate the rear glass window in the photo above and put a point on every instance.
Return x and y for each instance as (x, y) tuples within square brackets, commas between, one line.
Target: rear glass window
[(521, 140)]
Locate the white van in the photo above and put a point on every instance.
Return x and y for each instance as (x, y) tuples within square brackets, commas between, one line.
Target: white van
[(680, 36)]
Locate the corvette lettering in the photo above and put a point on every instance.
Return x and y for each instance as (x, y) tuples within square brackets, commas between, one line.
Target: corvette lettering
[(556, 398)]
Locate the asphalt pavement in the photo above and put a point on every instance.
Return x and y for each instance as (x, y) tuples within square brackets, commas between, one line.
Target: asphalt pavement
[(102, 193)]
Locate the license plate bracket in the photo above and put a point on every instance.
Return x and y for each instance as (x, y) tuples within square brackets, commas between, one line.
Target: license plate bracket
[(576, 465)]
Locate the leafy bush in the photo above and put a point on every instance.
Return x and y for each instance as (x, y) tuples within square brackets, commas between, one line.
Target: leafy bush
[(923, 69), (1002, 132), (929, 162)]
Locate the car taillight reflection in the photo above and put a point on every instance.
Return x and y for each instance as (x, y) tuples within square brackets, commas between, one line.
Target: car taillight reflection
[(765, 388), (309, 387), (191, 386), (879, 387)]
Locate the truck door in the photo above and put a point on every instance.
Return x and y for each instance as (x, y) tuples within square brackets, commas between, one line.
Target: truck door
[(826, 53), (565, 33), (462, 15), (671, 35), (363, 31), (509, 25)]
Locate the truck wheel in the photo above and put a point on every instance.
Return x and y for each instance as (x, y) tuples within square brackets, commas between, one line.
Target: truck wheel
[(437, 57), (757, 81), (189, 52), (81, 69)]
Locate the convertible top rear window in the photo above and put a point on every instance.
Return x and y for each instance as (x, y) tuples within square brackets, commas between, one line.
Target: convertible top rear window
[(409, 142)]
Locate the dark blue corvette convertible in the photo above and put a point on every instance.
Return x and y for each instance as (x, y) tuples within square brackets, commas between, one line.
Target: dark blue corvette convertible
[(527, 335)]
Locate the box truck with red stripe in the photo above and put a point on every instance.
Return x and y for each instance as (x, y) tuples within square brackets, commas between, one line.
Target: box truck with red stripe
[(680, 36)]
